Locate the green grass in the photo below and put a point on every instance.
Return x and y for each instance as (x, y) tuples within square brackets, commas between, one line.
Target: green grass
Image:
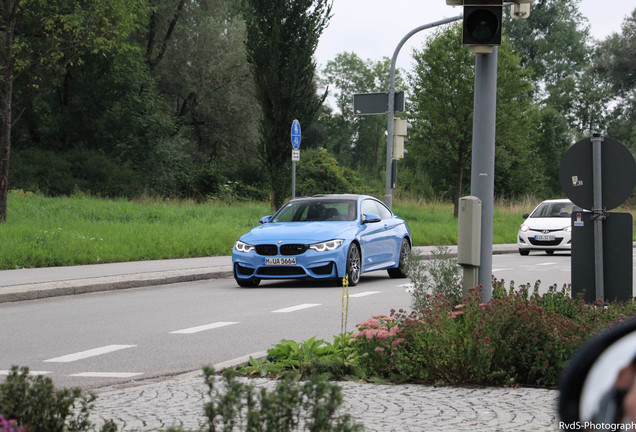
[(42, 232), (45, 232)]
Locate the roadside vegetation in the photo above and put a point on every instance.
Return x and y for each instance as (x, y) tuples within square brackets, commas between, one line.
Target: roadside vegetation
[(32, 404), (80, 229)]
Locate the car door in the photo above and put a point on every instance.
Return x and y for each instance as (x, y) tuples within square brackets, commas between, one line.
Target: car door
[(376, 239)]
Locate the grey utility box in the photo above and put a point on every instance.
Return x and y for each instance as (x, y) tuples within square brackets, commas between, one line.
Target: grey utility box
[(469, 231)]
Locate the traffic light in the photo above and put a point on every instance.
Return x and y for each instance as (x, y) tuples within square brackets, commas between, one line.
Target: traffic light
[(400, 129), (482, 24)]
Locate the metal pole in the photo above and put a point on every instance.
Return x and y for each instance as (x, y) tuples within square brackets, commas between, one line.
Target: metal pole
[(597, 209), (482, 181), (388, 196), (293, 179)]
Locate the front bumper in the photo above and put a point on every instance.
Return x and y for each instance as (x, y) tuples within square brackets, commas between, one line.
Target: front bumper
[(311, 264), (531, 240)]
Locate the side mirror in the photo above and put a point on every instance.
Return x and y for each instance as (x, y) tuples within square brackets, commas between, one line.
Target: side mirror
[(265, 219), (598, 385), (525, 215), (370, 218)]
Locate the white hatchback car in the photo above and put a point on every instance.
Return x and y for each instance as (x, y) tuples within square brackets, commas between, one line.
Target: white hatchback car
[(548, 228)]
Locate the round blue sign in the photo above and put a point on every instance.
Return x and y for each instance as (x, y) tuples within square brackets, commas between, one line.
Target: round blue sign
[(295, 134)]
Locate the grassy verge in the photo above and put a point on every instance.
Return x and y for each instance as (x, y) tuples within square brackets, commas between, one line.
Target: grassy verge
[(42, 231)]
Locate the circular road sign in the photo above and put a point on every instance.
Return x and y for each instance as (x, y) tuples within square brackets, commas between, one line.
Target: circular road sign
[(295, 134), (618, 173)]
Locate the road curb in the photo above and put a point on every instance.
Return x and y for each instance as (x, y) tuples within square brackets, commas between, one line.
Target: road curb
[(89, 285), (84, 285)]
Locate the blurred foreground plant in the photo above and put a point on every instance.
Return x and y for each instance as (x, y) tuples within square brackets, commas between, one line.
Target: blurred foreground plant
[(36, 405), (290, 406)]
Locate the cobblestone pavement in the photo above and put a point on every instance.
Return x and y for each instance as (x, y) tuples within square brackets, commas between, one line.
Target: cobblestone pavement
[(381, 408)]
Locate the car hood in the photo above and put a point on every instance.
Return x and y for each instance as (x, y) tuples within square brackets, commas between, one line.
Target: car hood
[(298, 232), (547, 223)]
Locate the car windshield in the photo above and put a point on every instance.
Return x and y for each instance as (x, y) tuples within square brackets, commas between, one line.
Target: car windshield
[(317, 210), (557, 209)]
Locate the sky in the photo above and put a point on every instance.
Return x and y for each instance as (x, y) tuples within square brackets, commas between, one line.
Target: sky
[(372, 29)]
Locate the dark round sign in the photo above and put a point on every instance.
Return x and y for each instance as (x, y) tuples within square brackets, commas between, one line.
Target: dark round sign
[(618, 173)]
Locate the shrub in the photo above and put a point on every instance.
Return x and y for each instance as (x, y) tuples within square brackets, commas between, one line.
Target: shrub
[(516, 338), (439, 275), (321, 174), (35, 404), (374, 343), (310, 406)]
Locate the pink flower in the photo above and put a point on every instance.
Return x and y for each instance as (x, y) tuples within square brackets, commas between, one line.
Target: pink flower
[(369, 324), (382, 334), (397, 342), (455, 314), (394, 331)]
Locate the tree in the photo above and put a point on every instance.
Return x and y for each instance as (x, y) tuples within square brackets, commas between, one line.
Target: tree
[(44, 38), (615, 64), (9, 17), (321, 174), (553, 43), (211, 89), (357, 141), (282, 36), (441, 111)]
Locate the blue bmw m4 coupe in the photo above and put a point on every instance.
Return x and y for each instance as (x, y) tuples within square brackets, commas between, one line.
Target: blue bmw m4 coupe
[(323, 237)]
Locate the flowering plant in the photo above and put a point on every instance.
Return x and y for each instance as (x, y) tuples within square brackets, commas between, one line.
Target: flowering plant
[(374, 343), (517, 338), (9, 425)]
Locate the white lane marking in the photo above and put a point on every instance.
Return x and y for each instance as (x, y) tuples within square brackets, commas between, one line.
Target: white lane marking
[(31, 372), (107, 374), (547, 263), (364, 294), (296, 308), (205, 327), (88, 353), (501, 269)]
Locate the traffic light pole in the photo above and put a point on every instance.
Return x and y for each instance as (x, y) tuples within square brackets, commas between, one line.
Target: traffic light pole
[(482, 178), (388, 196)]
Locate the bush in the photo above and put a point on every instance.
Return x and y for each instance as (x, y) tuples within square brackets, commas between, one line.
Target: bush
[(438, 275), (34, 404), (320, 173), (291, 406), (516, 338)]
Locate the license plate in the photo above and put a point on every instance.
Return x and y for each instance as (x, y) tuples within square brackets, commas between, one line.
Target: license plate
[(279, 261), (545, 237)]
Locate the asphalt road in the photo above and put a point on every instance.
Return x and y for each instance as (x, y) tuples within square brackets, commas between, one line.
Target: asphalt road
[(96, 339)]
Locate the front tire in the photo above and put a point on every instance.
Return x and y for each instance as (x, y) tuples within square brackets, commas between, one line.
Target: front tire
[(400, 272), (524, 252), (354, 264)]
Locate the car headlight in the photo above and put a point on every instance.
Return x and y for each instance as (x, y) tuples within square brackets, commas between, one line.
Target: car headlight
[(326, 246), (524, 228), (243, 247), (568, 228)]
